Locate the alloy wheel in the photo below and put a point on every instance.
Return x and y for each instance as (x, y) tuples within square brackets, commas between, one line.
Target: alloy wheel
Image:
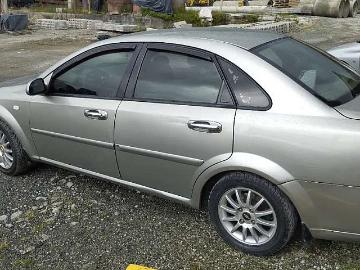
[(6, 153), (247, 216)]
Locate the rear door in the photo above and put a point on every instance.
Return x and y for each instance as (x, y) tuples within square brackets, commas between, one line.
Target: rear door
[(177, 115), (73, 125)]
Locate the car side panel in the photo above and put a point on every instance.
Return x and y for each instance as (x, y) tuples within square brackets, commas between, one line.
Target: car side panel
[(155, 147), (62, 133), (326, 208), (311, 148), (14, 110)]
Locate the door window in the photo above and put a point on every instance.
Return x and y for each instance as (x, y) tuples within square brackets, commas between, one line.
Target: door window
[(248, 94), (176, 77), (98, 76)]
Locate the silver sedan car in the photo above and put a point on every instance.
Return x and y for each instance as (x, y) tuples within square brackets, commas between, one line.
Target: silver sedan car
[(260, 129)]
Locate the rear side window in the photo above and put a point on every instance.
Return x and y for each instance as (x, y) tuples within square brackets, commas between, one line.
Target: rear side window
[(177, 77), (98, 76), (247, 93)]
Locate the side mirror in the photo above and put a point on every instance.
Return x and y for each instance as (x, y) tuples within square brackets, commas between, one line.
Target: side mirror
[(36, 87)]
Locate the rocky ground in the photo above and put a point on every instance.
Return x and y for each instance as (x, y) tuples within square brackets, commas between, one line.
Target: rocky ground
[(328, 32), (55, 219)]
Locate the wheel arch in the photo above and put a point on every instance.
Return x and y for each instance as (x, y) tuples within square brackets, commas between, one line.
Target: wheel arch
[(10, 120), (244, 162)]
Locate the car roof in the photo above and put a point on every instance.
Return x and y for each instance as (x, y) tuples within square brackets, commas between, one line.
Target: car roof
[(213, 39), (246, 39)]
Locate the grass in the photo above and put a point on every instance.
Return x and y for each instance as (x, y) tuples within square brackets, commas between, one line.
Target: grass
[(39, 228), (190, 16), (286, 17), (219, 18), (352, 266), (196, 266), (4, 246), (29, 215), (249, 18), (24, 263), (46, 8)]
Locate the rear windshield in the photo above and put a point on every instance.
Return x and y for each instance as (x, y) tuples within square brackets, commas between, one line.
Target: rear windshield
[(324, 77)]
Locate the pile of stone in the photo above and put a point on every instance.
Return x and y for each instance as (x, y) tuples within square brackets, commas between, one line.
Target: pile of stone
[(325, 8), (278, 27), (85, 24)]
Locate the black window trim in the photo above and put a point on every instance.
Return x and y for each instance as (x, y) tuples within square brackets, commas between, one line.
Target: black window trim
[(176, 48), (248, 108), (91, 53)]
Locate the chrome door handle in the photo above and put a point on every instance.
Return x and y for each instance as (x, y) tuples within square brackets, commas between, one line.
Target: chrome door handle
[(205, 126), (96, 114)]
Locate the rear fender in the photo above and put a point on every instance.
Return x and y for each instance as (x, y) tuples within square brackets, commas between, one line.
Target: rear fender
[(241, 162)]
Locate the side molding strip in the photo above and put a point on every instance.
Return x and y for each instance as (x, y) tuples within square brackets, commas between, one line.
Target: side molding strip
[(160, 193), (160, 155), (74, 138)]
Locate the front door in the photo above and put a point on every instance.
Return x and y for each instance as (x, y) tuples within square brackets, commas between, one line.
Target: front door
[(73, 125), (178, 115)]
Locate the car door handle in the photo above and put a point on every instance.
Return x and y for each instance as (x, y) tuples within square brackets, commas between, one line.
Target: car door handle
[(96, 114), (205, 126)]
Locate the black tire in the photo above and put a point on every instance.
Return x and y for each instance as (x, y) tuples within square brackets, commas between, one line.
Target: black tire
[(21, 162), (286, 214)]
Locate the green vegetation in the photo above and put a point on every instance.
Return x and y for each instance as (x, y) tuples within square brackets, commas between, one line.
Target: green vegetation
[(190, 16), (24, 263), (39, 228), (286, 17), (219, 18), (124, 9), (249, 18), (196, 266), (29, 215), (4, 246), (45, 8), (352, 266)]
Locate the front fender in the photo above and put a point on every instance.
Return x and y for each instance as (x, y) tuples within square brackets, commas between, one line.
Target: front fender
[(241, 162), (22, 130)]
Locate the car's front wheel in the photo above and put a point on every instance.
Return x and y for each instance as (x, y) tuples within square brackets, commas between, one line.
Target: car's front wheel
[(13, 159), (251, 213)]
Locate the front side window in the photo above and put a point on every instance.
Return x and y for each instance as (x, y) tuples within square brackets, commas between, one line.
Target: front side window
[(98, 76), (325, 78), (176, 77)]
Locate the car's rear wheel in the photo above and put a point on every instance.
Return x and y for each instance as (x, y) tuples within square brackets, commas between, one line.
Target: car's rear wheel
[(13, 159), (251, 214)]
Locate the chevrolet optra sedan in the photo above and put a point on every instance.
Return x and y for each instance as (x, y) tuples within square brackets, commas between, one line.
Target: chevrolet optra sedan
[(260, 129)]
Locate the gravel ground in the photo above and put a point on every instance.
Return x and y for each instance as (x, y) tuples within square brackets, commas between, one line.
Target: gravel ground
[(328, 32), (33, 51), (55, 219)]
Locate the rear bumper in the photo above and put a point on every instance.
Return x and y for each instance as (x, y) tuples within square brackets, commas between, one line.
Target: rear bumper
[(335, 235), (329, 211)]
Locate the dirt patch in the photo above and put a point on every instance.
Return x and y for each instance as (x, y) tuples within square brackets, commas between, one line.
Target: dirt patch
[(34, 51)]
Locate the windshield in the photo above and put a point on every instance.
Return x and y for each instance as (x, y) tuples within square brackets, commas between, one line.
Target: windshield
[(324, 77)]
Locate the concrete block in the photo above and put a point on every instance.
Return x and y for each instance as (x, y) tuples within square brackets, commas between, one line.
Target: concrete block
[(52, 24)]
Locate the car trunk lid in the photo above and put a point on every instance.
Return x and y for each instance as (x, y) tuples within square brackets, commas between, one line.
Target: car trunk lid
[(350, 109)]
